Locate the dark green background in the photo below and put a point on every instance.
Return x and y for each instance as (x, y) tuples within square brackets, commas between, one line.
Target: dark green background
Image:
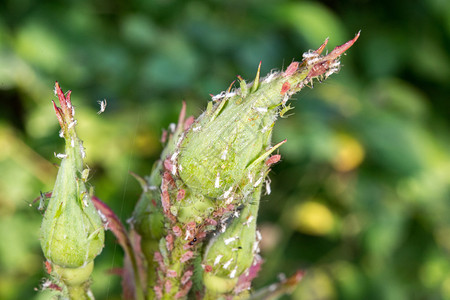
[(361, 197)]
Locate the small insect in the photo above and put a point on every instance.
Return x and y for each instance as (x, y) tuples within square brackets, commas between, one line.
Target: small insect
[(103, 104), (291, 69), (48, 267), (85, 174), (286, 86), (310, 54), (193, 241), (233, 273), (218, 96), (313, 61), (217, 181), (71, 124), (60, 155)]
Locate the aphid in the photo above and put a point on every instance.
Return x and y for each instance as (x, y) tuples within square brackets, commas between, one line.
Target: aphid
[(172, 273), (258, 235), (60, 155), (291, 69), (227, 264), (223, 227), (329, 73), (268, 189), (85, 174), (48, 267), (169, 242), (174, 156), (217, 260), (158, 291), (233, 273), (42, 199), (208, 268), (103, 104), (224, 154), (264, 129), (85, 199), (255, 248), (103, 217), (176, 230), (261, 109), (73, 123), (218, 96), (217, 181), (164, 136), (186, 256), (180, 195), (227, 192), (249, 220), (230, 94), (335, 64), (313, 61), (230, 240), (83, 153), (273, 159), (270, 77), (250, 177), (187, 275), (286, 86), (229, 200), (258, 181), (168, 285), (310, 54)]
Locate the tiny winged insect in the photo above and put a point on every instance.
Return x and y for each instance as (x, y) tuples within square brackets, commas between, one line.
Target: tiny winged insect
[(42, 201), (103, 104)]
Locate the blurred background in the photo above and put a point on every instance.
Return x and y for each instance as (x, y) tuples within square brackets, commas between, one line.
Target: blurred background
[(361, 198)]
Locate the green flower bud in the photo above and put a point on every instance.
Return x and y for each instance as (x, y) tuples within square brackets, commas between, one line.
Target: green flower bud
[(147, 216), (72, 233), (236, 129), (227, 138), (231, 253), (209, 178)]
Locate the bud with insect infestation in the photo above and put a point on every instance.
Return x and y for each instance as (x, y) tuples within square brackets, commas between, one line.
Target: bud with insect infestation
[(199, 207), (72, 233)]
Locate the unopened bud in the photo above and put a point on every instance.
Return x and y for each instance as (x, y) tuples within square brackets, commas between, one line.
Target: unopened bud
[(72, 233)]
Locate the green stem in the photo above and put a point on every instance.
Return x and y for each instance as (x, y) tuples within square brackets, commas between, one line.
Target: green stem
[(139, 291), (80, 292)]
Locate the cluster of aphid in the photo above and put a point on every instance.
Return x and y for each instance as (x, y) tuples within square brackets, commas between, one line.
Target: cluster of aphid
[(211, 175), (200, 203), (312, 57)]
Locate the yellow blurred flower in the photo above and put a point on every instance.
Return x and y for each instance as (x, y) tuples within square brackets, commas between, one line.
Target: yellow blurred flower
[(312, 217), (350, 153)]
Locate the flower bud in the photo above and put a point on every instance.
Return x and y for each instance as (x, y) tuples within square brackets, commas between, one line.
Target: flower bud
[(210, 176), (72, 233), (147, 216), (235, 131), (232, 252)]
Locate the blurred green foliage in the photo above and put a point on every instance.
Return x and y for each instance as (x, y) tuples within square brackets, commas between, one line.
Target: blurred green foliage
[(361, 198)]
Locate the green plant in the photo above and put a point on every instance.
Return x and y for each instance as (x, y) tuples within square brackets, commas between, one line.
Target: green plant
[(193, 230)]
